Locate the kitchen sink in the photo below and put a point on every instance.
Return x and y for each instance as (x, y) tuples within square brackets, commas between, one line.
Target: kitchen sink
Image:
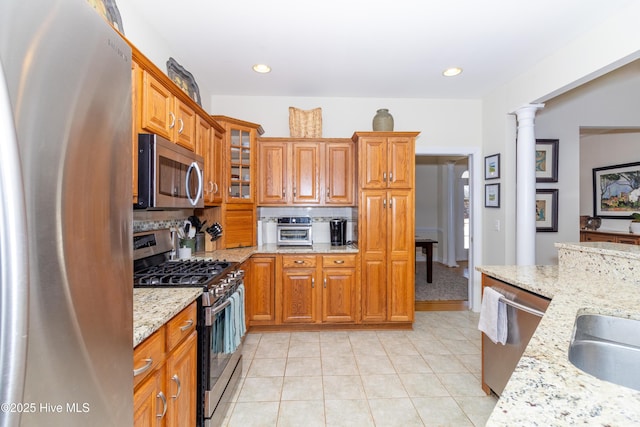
[(608, 348)]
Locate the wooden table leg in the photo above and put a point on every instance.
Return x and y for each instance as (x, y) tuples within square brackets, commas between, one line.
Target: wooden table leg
[(429, 262)]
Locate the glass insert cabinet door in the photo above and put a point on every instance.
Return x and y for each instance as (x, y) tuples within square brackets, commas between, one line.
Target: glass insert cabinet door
[(241, 174)]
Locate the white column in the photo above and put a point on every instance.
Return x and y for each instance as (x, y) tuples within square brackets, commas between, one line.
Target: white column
[(451, 215), (526, 185)]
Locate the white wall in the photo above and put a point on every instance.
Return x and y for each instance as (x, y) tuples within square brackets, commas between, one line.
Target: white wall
[(608, 102)]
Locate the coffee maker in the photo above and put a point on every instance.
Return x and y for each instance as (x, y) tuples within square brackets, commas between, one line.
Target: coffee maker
[(338, 230)]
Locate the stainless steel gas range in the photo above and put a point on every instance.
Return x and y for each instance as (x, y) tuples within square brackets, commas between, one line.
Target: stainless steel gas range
[(220, 315)]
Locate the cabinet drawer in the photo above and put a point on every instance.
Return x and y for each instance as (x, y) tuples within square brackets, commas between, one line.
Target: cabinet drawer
[(148, 356), (181, 325), (339, 260), (298, 261)]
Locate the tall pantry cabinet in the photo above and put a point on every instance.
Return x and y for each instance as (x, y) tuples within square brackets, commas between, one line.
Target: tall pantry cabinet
[(386, 222)]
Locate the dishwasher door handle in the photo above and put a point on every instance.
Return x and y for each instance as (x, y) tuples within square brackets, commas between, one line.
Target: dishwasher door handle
[(522, 307)]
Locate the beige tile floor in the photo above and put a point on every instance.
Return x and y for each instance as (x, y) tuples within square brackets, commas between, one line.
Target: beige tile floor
[(429, 376)]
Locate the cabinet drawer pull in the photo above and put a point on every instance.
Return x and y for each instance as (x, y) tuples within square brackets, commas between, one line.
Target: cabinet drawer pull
[(299, 261), (313, 282), (384, 204), (164, 405), (339, 261), (325, 282), (173, 120), (294, 192), (181, 126), (384, 176), (187, 326), (328, 194), (390, 176), (144, 369), (176, 379)]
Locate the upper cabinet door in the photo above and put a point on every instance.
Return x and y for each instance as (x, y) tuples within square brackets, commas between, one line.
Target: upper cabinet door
[(185, 126), (306, 173), (157, 104), (339, 173), (401, 162), (373, 162), (272, 173)]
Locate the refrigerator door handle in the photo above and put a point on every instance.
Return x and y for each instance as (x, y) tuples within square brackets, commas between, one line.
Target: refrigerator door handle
[(14, 271)]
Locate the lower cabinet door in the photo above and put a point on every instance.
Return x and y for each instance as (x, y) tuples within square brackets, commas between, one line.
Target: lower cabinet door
[(149, 402), (339, 295), (299, 295), (181, 384)]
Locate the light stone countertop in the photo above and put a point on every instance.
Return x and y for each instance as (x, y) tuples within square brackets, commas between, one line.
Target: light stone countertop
[(545, 388), (153, 307)]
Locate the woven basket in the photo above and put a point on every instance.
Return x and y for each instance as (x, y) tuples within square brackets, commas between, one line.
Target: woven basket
[(305, 123)]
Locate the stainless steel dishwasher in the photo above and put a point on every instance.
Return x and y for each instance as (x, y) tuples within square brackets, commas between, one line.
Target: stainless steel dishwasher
[(524, 311)]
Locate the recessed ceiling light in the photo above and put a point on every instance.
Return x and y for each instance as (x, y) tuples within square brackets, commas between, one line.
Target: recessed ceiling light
[(261, 68), (453, 71)]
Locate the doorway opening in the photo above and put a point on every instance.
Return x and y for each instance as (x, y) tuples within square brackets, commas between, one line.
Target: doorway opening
[(443, 214)]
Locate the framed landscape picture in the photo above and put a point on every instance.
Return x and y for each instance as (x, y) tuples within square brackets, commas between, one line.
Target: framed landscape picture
[(547, 210), (616, 190), (546, 160), (492, 167), (492, 195)]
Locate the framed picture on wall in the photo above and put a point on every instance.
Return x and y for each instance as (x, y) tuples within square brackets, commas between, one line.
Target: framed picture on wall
[(616, 190), (546, 160), (547, 210), (492, 195), (492, 167)]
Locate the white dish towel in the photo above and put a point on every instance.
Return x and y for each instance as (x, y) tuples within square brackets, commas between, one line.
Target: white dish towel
[(493, 316)]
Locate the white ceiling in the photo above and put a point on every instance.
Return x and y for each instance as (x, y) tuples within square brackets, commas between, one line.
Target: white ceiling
[(366, 48)]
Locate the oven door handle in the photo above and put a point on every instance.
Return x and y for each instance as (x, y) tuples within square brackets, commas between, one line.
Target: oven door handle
[(211, 312)]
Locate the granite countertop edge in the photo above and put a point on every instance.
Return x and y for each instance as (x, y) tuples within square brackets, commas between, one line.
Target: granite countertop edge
[(153, 307), (545, 388)]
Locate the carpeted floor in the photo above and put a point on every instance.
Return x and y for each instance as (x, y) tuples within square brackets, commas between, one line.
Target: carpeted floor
[(447, 283)]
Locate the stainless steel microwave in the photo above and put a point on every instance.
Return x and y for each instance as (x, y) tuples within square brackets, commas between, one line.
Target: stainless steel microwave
[(169, 176)]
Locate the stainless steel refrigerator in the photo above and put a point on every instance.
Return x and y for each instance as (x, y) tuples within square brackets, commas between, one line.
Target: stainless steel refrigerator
[(65, 218)]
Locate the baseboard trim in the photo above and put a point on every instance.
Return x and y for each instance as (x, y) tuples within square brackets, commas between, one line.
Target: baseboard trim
[(448, 305)]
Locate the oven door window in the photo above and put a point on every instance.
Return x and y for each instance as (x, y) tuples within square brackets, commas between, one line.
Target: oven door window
[(294, 234), (218, 359)]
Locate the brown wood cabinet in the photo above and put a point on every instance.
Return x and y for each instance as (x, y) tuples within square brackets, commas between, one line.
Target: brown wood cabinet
[(239, 159), (317, 289), (209, 146), (386, 159), (165, 378), (307, 172), (600, 236), (165, 114), (298, 294), (339, 288), (386, 222), (260, 295)]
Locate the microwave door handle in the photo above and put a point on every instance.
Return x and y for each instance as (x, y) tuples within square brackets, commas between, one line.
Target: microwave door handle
[(14, 266), (194, 200)]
